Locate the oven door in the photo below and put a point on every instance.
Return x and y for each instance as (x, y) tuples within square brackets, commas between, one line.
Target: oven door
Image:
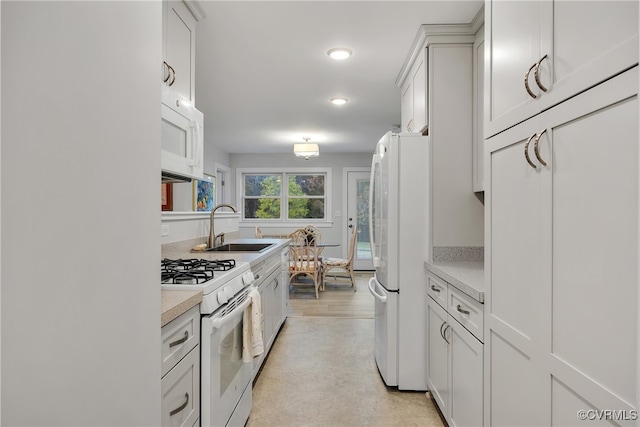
[(225, 377)]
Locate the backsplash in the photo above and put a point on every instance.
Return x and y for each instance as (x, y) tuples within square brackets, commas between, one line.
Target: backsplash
[(458, 253)]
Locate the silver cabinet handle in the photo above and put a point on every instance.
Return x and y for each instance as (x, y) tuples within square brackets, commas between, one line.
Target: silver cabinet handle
[(526, 151), (180, 341), (173, 73), (409, 126), (167, 70), (526, 82), (181, 407), (462, 310), (444, 334), (536, 148), (537, 74), (434, 289)]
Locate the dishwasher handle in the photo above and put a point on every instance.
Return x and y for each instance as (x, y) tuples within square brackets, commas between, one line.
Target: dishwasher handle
[(372, 289)]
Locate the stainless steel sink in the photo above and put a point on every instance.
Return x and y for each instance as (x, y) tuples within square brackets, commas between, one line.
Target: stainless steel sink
[(241, 247)]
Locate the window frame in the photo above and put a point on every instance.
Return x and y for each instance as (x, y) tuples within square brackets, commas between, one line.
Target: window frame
[(284, 194)]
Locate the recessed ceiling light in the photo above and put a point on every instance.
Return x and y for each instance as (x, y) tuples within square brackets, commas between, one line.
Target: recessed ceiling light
[(339, 53), (339, 101)]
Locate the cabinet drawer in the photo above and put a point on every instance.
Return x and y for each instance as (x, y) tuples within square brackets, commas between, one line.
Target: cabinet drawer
[(437, 289), (467, 311), (181, 392), (179, 337)]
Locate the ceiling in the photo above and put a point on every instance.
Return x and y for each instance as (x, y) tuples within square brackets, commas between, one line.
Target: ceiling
[(264, 79)]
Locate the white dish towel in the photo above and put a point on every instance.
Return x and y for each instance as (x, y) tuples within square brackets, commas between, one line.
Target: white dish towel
[(252, 345)]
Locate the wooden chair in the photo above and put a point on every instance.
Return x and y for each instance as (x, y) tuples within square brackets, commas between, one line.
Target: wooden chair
[(303, 258), (341, 264)]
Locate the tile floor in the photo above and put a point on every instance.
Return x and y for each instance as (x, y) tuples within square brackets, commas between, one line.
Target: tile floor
[(321, 372)]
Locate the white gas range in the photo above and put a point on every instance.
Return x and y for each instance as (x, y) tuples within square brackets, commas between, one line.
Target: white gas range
[(225, 380)]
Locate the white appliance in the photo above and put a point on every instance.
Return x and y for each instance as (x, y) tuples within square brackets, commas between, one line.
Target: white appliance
[(182, 139), (225, 380), (398, 221)]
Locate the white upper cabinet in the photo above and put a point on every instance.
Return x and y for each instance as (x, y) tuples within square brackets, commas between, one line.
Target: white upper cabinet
[(178, 71), (414, 110), (539, 53)]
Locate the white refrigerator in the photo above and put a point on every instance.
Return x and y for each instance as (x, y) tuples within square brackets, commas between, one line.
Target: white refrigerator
[(399, 227)]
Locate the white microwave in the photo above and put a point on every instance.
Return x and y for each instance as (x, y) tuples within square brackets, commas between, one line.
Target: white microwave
[(182, 139)]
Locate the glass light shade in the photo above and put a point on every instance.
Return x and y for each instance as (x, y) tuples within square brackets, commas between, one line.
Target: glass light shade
[(339, 53), (339, 101), (306, 150)]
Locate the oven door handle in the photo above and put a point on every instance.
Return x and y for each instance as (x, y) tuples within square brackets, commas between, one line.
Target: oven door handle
[(219, 322)]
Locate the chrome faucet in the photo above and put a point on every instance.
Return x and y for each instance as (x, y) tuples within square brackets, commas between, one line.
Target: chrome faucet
[(212, 234)]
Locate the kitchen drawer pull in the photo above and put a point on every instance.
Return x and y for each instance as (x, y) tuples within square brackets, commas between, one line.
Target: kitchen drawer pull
[(526, 82), (173, 72), (180, 341), (536, 148), (462, 310), (526, 151), (434, 289), (181, 407), (442, 333), (537, 74), (409, 126)]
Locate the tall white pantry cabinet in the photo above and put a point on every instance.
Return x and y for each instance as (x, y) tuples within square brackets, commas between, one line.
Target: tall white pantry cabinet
[(561, 213)]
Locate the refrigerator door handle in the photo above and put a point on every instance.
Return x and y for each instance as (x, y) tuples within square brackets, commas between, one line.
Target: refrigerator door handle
[(372, 289), (372, 183)]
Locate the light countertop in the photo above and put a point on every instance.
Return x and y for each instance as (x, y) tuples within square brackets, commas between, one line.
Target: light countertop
[(466, 276), (175, 303)]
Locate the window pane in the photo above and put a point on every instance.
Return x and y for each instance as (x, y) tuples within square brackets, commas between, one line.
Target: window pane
[(306, 185), (262, 185), (265, 208), (306, 208)]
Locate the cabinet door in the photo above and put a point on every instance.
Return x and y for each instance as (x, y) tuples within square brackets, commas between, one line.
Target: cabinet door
[(513, 45), (438, 355), (478, 112), (466, 377), (595, 225), (419, 79), (179, 27), (276, 301), (407, 106), (579, 53), (518, 289)]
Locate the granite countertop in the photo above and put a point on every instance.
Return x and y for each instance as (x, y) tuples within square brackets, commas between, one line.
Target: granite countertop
[(466, 276), (175, 303)]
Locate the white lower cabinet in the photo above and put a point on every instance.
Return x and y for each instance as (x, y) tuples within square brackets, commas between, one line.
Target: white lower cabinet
[(455, 358), (181, 370), (269, 276)]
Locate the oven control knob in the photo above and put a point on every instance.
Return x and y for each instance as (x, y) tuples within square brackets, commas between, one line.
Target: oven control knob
[(248, 278), (223, 298)]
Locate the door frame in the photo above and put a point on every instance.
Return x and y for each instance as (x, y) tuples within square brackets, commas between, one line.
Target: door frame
[(345, 205)]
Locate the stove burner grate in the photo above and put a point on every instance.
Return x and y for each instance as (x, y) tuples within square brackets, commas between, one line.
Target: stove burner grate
[(192, 271)]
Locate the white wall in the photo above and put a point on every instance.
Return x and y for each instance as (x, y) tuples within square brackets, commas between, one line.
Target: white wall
[(80, 243), (333, 233)]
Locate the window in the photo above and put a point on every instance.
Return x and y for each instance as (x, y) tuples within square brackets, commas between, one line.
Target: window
[(285, 196)]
